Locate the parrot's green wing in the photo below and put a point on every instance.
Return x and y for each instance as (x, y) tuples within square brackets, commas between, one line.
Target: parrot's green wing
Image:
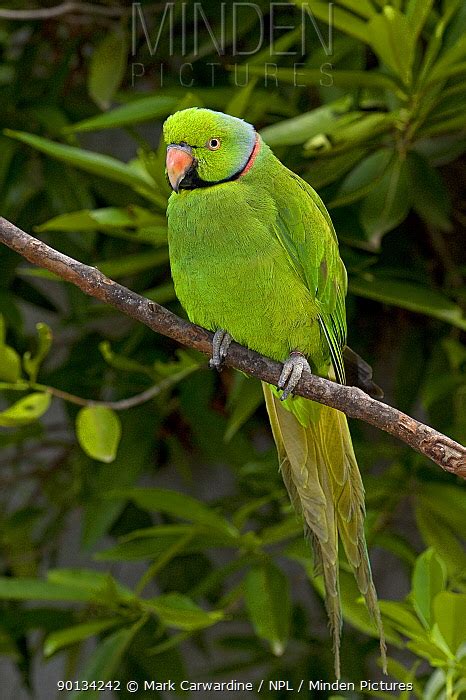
[(306, 232)]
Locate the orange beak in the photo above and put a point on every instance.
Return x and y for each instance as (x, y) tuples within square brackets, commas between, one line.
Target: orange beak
[(179, 160)]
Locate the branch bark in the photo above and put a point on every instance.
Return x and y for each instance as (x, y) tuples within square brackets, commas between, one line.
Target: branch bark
[(447, 453)]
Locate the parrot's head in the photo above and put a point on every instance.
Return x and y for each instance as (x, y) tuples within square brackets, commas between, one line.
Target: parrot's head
[(206, 148)]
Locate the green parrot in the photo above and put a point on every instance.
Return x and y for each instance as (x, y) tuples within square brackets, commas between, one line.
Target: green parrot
[(254, 258)]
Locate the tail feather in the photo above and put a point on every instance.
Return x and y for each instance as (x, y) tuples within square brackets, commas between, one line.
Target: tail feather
[(299, 466), (322, 478)]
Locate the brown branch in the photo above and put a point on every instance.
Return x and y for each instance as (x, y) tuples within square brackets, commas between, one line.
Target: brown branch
[(447, 453)]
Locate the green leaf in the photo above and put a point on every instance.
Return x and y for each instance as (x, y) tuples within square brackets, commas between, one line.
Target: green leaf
[(133, 264), (363, 178), (387, 205), (282, 43), (392, 38), (32, 363), (324, 171), (155, 235), (244, 512), (408, 676), (94, 163), (445, 501), (361, 7), (106, 660), (133, 217), (238, 104), (167, 533), (450, 615), (396, 544), (268, 603), (345, 79), (117, 267), (449, 105), (436, 533), (434, 685), (121, 362), (137, 111), (442, 149), (10, 362), (98, 430), (422, 300), (154, 162), (26, 410), (97, 582), (243, 402), (132, 458), (429, 650), (356, 127), (454, 123), (284, 530), (451, 57), (177, 504), (179, 611), (457, 69), (429, 578), (402, 619), (417, 12), (139, 550), (35, 589), (151, 543), (107, 69), (299, 129), (71, 635), (454, 10), (184, 362), (341, 19)]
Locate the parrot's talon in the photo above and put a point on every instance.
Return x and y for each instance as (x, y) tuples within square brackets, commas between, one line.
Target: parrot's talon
[(220, 345), (292, 371)]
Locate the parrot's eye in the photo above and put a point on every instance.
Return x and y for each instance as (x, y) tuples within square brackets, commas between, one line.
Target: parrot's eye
[(213, 144)]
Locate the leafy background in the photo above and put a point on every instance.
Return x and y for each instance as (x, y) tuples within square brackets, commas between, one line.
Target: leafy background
[(157, 541)]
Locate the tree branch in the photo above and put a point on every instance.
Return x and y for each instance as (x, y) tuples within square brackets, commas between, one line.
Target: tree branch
[(447, 453)]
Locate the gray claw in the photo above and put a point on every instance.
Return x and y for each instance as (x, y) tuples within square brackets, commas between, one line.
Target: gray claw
[(292, 371), (220, 344)]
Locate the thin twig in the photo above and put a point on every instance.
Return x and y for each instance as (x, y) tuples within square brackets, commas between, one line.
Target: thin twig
[(121, 404), (447, 453)]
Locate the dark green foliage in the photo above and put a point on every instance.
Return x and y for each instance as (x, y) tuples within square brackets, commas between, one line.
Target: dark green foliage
[(223, 573)]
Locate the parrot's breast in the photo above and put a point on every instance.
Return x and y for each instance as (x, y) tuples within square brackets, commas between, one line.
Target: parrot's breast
[(230, 271)]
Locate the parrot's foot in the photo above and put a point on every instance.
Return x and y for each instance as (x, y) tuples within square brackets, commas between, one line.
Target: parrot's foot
[(292, 371), (220, 344)]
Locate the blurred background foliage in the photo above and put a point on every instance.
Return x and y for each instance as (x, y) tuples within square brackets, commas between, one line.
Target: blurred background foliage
[(160, 529)]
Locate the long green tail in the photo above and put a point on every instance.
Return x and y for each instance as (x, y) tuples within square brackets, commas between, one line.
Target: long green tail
[(320, 472)]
